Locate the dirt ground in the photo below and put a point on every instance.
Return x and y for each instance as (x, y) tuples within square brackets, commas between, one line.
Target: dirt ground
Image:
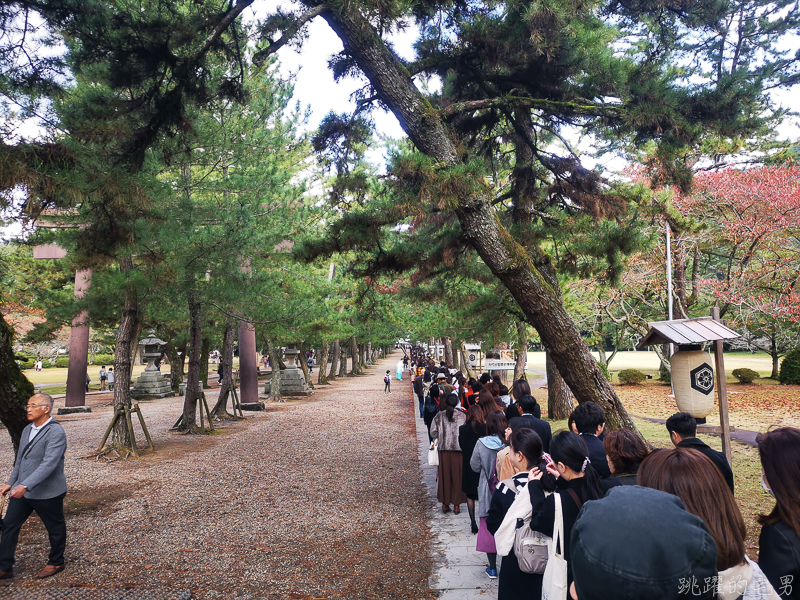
[(318, 498)]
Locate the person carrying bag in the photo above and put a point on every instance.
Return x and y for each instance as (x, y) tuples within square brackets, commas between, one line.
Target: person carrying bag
[(554, 584)]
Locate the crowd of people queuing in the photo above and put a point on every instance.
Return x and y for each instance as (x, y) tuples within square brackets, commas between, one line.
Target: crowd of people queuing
[(632, 522)]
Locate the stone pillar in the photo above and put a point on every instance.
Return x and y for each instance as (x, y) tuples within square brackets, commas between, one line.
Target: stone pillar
[(248, 363), (79, 346)]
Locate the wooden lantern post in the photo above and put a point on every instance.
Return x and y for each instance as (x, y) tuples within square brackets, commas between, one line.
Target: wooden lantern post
[(722, 392)]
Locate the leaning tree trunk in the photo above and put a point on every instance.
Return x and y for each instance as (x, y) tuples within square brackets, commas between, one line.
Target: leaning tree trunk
[(126, 342), (559, 398), (519, 271), (522, 355), (304, 364), (193, 375), (221, 407), (362, 356), (370, 355), (335, 358), (465, 363), (322, 367), (448, 351), (275, 359), (15, 389)]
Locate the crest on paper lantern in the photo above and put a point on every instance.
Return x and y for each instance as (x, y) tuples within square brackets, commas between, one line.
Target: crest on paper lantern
[(702, 378)]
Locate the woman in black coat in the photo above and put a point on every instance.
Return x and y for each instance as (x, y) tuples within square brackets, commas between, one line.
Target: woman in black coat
[(468, 435), (779, 542), (526, 453), (578, 484)]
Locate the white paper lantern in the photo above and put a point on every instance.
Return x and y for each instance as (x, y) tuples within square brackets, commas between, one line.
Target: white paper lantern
[(693, 382)]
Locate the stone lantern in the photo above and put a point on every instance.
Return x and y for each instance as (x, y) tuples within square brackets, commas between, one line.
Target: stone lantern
[(151, 383)]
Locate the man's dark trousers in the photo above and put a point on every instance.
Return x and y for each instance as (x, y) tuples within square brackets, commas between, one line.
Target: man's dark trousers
[(51, 511)]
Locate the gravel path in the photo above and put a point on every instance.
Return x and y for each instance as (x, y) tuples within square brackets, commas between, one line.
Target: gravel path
[(315, 499)]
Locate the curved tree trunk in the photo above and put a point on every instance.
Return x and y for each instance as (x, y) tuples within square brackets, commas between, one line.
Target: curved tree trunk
[(15, 389), (221, 407), (465, 363), (559, 398), (175, 361), (522, 355), (335, 358), (342, 361)]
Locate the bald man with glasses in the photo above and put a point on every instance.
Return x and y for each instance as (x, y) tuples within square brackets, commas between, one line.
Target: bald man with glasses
[(37, 483)]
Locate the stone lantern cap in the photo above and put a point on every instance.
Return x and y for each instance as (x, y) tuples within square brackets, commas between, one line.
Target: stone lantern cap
[(151, 349)]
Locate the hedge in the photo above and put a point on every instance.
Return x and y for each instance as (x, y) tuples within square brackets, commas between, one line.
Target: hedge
[(790, 367), (631, 376), (745, 375)]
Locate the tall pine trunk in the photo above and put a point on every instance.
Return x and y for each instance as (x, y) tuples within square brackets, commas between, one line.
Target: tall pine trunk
[(355, 368), (335, 359), (559, 398), (204, 354), (322, 367), (522, 356), (126, 343), (448, 352), (175, 362), (342, 361), (195, 353), (304, 364), (275, 359)]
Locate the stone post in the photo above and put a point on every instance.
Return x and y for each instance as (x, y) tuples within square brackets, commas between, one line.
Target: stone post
[(79, 346), (248, 363)]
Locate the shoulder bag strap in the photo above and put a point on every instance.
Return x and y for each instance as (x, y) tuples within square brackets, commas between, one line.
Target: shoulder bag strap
[(578, 502), (558, 528)]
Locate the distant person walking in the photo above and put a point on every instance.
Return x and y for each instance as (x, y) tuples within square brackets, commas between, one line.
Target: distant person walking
[(400, 370), (37, 483), (387, 382), (111, 379), (103, 378)]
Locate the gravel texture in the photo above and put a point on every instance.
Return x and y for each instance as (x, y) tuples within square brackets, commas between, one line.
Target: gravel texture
[(313, 499)]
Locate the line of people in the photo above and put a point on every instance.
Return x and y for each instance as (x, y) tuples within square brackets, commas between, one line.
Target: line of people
[(634, 522)]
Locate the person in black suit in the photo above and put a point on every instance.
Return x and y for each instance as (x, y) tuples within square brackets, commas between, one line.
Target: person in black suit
[(526, 405), (682, 429), (590, 421)]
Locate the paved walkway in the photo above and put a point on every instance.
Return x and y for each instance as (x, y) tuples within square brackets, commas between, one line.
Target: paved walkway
[(458, 570)]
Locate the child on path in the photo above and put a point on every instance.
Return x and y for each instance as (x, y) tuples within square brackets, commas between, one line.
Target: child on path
[(387, 383)]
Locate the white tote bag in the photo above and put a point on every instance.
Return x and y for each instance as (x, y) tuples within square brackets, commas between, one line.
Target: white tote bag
[(554, 584), (433, 455)]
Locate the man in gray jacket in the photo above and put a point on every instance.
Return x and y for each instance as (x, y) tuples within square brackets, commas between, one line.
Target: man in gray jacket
[(37, 483)]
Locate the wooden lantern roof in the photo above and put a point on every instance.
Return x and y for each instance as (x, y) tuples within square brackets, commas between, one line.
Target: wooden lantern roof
[(686, 332)]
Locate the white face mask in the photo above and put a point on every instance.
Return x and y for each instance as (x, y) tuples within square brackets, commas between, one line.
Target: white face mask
[(764, 485)]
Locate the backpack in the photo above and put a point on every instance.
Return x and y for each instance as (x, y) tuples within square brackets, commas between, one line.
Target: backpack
[(430, 405), (386, 379), (530, 547)]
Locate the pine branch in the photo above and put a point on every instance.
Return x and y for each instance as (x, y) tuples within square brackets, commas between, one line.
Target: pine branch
[(261, 56)]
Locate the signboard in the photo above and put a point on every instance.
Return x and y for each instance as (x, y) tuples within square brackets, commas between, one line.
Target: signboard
[(500, 359)]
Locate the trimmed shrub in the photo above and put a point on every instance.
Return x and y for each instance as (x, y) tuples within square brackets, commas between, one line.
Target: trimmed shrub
[(631, 376), (790, 368), (664, 374), (745, 375), (26, 363), (103, 359), (62, 362)]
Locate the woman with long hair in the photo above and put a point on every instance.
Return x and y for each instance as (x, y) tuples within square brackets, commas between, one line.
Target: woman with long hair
[(444, 428), (468, 435), (581, 483), (625, 451), (487, 402), (526, 454), (692, 477), (519, 389), (430, 409), (779, 542), (483, 461)]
